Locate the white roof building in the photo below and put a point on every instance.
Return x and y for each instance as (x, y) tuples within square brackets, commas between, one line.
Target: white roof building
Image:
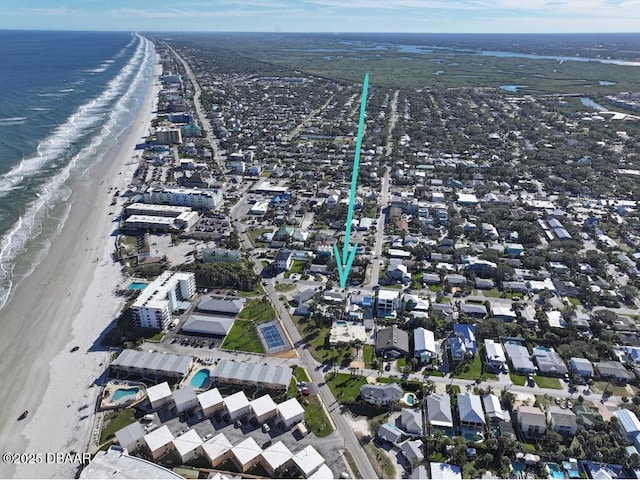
[(187, 444), (425, 344), (323, 473), (217, 449), (246, 453), (308, 461), (237, 405), (492, 407), (210, 401), (131, 437), (263, 408), (275, 457), (159, 395), (117, 464), (290, 412), (495, 354), (159, 441), (185, 398), (441, 471)]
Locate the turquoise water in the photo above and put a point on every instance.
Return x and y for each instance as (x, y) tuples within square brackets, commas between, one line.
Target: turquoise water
[(200, 378), (410, 399), (555, 470), (137, 286), (518, 467), (123, 392), (341, 323)]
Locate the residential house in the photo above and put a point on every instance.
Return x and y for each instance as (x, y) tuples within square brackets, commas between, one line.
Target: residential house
[(390, 433), (217, 449), (308, 461), (187, 444), (131, 437), (445, 471), (383, 394), (613, 370), (276, 458), (581, 366), (237, 405), (160, 396), (463, 343), (493, 408), (549, 361), (411, 421), (392, 342), (439, 410), (424, 345), (263, 408), (519, 357), (629, 423), (246, 454), (532, 420), (283, 260), (159, 442), (412, 451), (290, 412), (210, 402), (185, 399), (474, 310), (387, 303), (494, 352), (470, 411), (562, 420)]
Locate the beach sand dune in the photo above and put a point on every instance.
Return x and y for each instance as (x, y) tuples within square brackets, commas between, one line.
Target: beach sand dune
[(67, 301)]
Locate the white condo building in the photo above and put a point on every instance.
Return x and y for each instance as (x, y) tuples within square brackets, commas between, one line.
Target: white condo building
[(189, 197), (155, 306)]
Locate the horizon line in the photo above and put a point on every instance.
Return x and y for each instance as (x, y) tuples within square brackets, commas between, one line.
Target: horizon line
[(323, 32)]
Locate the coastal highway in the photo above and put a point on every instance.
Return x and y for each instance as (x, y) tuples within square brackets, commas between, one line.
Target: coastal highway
[(202, 116)]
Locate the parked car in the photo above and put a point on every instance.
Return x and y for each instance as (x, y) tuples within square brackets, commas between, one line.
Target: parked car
[(266, 428)]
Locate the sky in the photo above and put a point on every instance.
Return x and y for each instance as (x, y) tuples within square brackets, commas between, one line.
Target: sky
[(421, 16)]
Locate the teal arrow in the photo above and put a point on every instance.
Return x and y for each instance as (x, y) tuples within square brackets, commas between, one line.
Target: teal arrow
[(349, 252)]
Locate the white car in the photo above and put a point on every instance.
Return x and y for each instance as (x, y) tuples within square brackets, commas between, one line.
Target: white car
[(266, 428)]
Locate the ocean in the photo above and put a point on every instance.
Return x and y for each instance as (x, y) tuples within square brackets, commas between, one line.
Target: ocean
[(66, 99)]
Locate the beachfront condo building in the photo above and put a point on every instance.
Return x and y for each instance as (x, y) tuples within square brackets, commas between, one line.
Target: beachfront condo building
[(206, 199), (157, 303), (166, 135)]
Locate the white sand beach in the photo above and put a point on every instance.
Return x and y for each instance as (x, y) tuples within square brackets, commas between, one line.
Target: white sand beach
[(67, 301)]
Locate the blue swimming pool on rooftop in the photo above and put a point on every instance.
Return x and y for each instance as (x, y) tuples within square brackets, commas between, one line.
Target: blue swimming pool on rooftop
[(200, 379), (123, 392), (555, 470), (137, 286)]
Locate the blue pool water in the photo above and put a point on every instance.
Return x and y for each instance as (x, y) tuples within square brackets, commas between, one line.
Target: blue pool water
[(341, 323), (200, 378), (410, 399), (137, 286), (123, 392), (555, 470), (518, 467)]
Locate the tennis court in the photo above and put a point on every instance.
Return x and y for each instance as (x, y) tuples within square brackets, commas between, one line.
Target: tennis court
[(272, 337)]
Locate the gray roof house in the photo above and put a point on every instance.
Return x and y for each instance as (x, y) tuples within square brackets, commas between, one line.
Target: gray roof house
[(411, 421), (392, 341), (470, 409), (474, 310), (439, 410), (221, 306), (613, 370), (390, 433), (581, 366), (131, 437), (412, 450), (549, 361), (381, 394), (520, 358)]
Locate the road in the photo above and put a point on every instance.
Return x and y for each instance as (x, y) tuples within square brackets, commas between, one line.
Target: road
[(202, 116), (383, 202)]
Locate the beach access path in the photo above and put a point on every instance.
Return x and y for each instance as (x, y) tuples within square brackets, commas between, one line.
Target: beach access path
[(67, 301)]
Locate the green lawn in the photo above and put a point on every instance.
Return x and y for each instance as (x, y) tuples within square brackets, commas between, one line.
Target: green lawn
[(243, 337), (519, 380), (117, 420), (402, 362), (317, 341), (471, 370), (367, 355), (345, 387), (547, 382), (314, 417), (600, 386), (297, 266), (301, 374), (380, 461), (494, 293), (254, 233), (256, 292), (435, 288), (292, 391), (574, 301), (285, 287), (258, 310), (352, 464)]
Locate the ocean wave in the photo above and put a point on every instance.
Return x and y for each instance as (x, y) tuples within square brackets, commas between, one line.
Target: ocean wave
[(49, 94), (40, 109), (5, 122), (30, 224), (81, 122), (66, 90), (95, 70)]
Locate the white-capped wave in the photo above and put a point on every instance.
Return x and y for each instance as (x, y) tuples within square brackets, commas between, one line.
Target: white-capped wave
[(29, 225), (5, 122), (66, 90), (40, 109), (86, 117), (50, 94)]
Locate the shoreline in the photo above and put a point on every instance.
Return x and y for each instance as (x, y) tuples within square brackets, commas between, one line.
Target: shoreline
[(68, 301)]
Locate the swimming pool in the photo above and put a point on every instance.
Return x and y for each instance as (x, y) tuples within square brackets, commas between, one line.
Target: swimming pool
[(137, 286), (341, 323), (123, 392), (410, 399), (200, 379), (555, 471)]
